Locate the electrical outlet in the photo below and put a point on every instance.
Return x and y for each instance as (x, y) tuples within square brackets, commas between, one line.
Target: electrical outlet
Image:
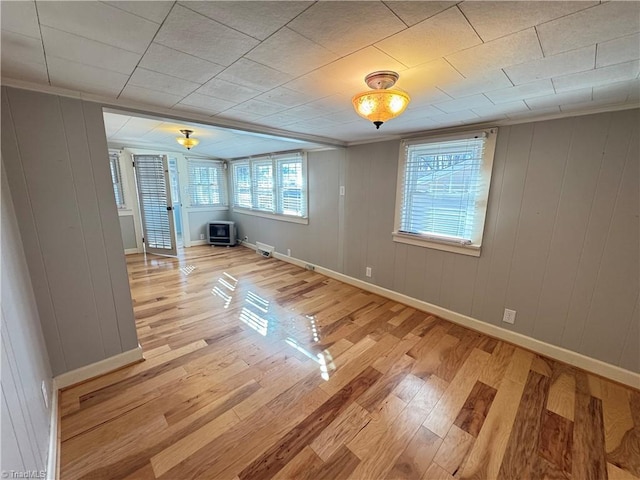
[(509, 316), (202, 236), (341, 190), (288, 252), (246, 239), (368, 272), (45, 394)]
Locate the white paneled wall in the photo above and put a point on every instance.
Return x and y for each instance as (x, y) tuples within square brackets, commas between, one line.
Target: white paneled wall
[(25, 363), (560, 244), (55, 155)]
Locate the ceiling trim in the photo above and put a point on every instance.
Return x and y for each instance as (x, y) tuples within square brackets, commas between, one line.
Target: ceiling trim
[(143, 109)]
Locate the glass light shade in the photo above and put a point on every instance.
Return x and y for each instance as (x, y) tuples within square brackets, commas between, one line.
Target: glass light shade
[(188, 143), (381, 105)]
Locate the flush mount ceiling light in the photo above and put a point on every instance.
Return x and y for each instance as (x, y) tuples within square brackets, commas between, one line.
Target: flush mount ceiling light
[(186, 141), (380, 104)]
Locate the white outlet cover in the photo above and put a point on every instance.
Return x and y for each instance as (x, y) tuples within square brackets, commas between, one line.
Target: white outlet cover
[(368, 272), (509, 316)]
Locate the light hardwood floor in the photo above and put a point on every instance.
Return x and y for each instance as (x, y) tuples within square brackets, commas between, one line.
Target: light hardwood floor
[(258, 369)]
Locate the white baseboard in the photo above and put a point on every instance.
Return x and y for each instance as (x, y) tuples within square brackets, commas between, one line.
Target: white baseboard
[(195, 243), (579, 360), (73, 377), (131, 251), (99, 368), (54, 433)]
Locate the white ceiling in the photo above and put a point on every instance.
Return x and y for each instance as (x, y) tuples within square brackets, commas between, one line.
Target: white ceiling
[(295, 65), (125, 130)]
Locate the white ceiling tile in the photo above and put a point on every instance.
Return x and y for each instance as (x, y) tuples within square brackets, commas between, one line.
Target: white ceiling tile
[(254, 75), (177, 64), (599, 76), (464, 103), (578, 107), (344, 27), (417, 80), (346, 75), (501, 109), (510, 50), (257, 107), (162, 83), (227, 91), (535, 113), (556, 65), (619, 50), (496, 19), (291, 53), (89, 52), (156, 11), (152, 97), (278, 120), (96, 21), (449, 119), (86, 78), (546, 101), (192, 33), (20, 17), (22, 70), (256, 18), (415, 112), (594, 25), (414, 12), (114, 122), (139, 127), (476, 84), (17, 48), (618, 90), (232, 114), (206, 103), (431, 39), (284, 97), (520, 92)]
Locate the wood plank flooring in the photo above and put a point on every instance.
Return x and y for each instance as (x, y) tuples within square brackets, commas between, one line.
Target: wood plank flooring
[(256, 369)]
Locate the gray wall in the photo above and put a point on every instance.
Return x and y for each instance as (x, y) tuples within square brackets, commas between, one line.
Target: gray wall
[(128, 231), (319, 242), (55, 154), (198, 221), (25, 363), (560, 244)]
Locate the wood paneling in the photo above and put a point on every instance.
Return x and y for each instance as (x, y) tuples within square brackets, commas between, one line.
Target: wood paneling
[(224, 397)]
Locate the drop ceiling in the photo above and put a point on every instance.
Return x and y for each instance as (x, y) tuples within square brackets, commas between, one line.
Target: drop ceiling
[(294, 66)]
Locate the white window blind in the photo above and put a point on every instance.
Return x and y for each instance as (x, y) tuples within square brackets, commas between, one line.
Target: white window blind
[(207, 183), (275, 184), (116, 179), (443, 189)]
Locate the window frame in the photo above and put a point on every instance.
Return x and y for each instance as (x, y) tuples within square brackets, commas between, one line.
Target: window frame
[(441, 242), (223, 193), (276, 213), (114, 158)]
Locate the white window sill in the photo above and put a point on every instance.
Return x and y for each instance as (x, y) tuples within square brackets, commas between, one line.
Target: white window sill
[(273, 216), (207, 208), (471, 250)]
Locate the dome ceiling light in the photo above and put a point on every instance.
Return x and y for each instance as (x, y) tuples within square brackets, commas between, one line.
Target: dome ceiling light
[(380, 104), (187, 141)]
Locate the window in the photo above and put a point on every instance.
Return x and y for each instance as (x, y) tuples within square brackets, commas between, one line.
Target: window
[(116, 179), (274, 185), (207, 183), (443, 187)]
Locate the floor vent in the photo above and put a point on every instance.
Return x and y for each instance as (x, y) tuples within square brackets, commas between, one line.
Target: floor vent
[(264, 249)]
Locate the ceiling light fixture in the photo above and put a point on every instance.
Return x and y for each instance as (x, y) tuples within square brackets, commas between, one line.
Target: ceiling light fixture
[(380, 104), (187, 141)]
